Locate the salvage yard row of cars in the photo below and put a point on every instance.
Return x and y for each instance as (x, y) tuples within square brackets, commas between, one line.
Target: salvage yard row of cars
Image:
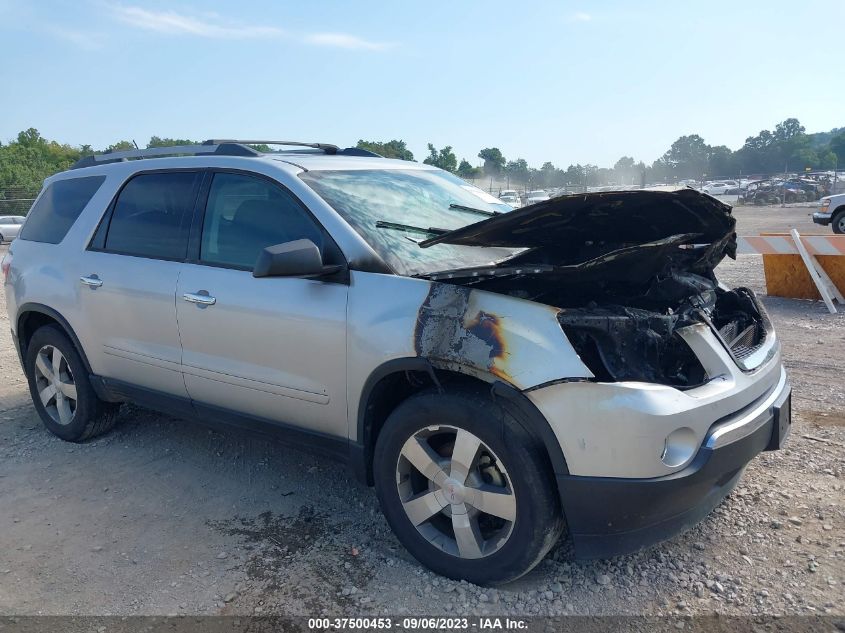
[(500, 376), (758, 191)]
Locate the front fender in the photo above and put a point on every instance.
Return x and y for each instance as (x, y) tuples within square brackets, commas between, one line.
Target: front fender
[(489, 335), (482, 334)]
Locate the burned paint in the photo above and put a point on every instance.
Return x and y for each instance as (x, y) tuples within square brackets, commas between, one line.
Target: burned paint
[(486, 327), (453, 333)]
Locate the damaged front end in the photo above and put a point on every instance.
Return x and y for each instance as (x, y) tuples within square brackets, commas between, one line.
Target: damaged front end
[(627, 271)]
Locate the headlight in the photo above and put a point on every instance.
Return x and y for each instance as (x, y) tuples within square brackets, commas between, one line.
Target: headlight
[(825, 207)]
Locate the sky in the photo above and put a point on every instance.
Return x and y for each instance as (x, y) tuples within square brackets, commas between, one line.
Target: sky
[(568, 82)]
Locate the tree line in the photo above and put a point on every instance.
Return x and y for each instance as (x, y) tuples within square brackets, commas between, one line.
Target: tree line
[(28, 159), (788, 148)]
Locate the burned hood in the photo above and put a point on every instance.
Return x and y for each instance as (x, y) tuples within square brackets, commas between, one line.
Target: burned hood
[(560, 227)]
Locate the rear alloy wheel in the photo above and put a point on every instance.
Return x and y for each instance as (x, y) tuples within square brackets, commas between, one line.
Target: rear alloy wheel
[(465, 487), (61, 389), (55, 384)]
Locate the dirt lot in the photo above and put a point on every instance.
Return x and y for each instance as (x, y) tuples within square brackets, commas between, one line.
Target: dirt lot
[(163, 516)]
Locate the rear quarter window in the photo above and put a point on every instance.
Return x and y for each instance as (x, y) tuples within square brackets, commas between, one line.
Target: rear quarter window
[(58, 207)]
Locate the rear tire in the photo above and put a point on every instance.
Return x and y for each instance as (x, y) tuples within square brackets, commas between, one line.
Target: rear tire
[(486, 508), (838, 222), (61, 389)]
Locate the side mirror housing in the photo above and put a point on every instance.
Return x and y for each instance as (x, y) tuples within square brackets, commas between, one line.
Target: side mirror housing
[(299, 258)]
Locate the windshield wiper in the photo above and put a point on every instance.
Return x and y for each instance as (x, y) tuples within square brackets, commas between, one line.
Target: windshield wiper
[(461, 207), (383, 224)]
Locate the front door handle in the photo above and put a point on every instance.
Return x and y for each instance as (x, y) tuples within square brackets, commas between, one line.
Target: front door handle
[(201, 298), (92, 281)]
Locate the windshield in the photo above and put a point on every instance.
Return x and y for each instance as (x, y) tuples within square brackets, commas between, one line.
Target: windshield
[(378, 203)]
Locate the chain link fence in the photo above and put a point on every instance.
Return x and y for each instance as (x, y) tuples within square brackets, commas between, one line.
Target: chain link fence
[(16, 200)]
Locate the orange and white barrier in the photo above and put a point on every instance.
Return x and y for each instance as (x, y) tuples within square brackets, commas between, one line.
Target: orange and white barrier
[(801, 267), (784, 245)]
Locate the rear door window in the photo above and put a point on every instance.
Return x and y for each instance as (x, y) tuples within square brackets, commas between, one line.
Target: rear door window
[(57, 208), (152, 215)]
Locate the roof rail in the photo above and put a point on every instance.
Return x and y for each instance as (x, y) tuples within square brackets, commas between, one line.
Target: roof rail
[(328, 148), (207, 147), (219, 147)]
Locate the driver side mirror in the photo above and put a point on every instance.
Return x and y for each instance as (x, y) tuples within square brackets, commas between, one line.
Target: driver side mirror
[(299, 258)]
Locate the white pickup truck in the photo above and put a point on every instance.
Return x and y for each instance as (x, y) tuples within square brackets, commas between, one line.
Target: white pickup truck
[(832, 211)]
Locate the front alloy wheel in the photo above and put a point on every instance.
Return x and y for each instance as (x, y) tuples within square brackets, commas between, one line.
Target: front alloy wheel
[(55, 385), (465, 486), (455, 491)]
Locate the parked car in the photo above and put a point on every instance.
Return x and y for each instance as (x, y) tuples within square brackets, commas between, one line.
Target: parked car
[(10, 226), (832, 213), (511, 197), (717, 188), (533, 197), (495, 378)]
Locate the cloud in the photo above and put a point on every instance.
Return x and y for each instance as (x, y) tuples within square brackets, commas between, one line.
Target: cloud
[(80, 39), (209, 25), (344, 40), (212, 25), (580, 17)]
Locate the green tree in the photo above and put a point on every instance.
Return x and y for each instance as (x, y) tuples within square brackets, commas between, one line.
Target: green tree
[(687, 157), (120, 146), (157, 141), (517, 171), (574, 176), (30, 158), (494, 162), (389, 149), (793, 146), (624, 170), (828, 160), (467, 171), (444, 159), (837, 146), (546, 175), (721, 162)]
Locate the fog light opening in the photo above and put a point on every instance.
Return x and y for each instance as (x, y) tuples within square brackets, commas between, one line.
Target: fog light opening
[(679, 447)]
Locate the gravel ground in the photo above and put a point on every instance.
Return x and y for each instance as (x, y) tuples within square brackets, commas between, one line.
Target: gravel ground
[(163, 516)]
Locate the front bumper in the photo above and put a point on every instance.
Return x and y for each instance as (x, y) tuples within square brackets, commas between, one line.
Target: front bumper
[(822, 218), (612, 516)]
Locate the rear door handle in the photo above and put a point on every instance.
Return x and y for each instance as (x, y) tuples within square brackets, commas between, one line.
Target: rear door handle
[(92, 281), (201, 298)]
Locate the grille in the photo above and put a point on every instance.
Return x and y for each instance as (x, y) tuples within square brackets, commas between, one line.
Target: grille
[(743, 343)]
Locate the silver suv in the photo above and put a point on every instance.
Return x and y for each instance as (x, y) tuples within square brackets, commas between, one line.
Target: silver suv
[(497, 376)]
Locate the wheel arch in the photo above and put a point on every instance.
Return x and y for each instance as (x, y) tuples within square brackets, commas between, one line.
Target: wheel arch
[(394, 381), (32, 316)]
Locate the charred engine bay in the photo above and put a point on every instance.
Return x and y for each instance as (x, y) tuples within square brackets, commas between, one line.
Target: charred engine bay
[(627, 270)]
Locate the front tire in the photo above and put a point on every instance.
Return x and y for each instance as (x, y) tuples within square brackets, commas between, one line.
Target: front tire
[(838, 223), (466, 489), (61, 390)]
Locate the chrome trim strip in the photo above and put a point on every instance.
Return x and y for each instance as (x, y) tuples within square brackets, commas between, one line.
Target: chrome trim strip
[(734, 429)]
